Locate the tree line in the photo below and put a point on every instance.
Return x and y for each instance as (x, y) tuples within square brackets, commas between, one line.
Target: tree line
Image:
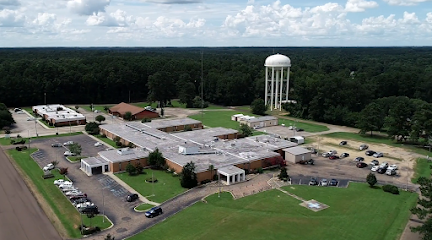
[(330, 85)]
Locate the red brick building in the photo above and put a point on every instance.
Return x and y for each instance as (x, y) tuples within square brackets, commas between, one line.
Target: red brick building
[(138, 113)]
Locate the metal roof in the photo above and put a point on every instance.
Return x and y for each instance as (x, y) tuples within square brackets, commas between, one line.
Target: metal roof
[(296, 150), (260, 119), (163, 123)]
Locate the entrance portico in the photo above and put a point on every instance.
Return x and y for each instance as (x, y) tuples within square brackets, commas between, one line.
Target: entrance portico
[(232, 174)]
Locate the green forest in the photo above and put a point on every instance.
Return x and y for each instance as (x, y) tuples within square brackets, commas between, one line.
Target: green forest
[(331, 85)]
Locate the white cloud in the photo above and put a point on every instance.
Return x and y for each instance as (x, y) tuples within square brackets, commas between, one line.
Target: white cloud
[(405, 2), (11, 18), (359, 5), (174, 1), (44, 19), (117, 18), (87, 7)]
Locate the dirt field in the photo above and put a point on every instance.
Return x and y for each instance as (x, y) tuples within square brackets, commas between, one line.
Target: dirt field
[(403, 159), (20, 215)]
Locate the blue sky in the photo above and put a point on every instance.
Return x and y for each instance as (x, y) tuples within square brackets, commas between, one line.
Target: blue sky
[(151, 23)]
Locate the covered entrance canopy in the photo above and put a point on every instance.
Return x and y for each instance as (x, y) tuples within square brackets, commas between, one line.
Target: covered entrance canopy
[(232, 174), (94, 165)]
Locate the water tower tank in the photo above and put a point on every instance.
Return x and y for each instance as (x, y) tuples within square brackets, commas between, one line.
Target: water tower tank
[(277, 60), (277, 69)]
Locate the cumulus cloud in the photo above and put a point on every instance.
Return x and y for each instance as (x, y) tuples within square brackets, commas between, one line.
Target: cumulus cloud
[(359, 5), (9, 3), (87, 7), (11, 18), (405, 2), (44, 19), (174, 1), (117, 18)]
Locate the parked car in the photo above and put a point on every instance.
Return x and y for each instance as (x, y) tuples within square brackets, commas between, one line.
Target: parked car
[(306, 162), (80, 200), (60, 181), (332, 157), (68, 143), (344, 155), (154, 212), (31, 119), (324, 182), (359, 159), (56, 145), (329, 153), (375, 168), (97, 144), (299, 129), (363, 147), (343, 143), (90, 209), (84, 204), (393, 166), (68, 189), (390, 172), (384, 165), (132, 197), (48, 167), (66, 184), (361, 165), (370, 152), (312, 150), (69, 153), (333, 182), (381, 170), (374, 162), (313, 182), (378, 155), (73, 193), (17, 109), (76, 197)]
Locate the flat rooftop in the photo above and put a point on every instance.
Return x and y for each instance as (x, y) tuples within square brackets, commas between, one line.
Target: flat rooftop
[(296, 150), (130, 154), (219, 153), (95, 161), (260, 119), (164, 123)]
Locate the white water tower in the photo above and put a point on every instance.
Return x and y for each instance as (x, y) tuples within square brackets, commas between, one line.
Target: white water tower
[(277, 80)]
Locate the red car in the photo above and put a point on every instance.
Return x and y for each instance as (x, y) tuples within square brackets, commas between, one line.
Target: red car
[(333, 157), (361, 165)]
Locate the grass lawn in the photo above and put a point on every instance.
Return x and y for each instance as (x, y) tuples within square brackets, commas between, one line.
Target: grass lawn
[(75, 158), (379, 140), (421, 169), (107, 140), (144, 207), (175, 103), (275, 215), (60, 205), (165, 188), (308, 127)]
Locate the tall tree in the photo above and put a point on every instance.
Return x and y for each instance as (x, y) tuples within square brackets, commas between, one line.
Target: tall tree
[(245, 130), (188, 176), (371, 179), (371, 118), (75, 148), (186, 90), (161, 87), (258, 107), (156, 159), (398, 120), (100, 118), (424, 208)]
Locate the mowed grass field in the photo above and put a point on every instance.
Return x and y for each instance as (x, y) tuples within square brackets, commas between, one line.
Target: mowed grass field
[(58, 203), (422, 168), (165, 188), (357, 212)]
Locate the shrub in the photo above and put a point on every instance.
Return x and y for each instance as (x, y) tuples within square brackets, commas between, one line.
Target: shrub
[(146, 120), (19, 136), (18, 148), (103, 136), (12, 141), (131, 170), (118, 144), (88, 231), (151, 180), (260, 170), (391, 189)]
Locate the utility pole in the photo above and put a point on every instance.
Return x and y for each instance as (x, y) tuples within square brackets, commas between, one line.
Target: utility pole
[(202, 87)]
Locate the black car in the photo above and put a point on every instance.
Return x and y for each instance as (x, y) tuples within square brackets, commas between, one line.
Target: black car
[(381, 170), (343, 143), (299, 129), (153, 212), (313, 182), (56, 145), (344, 155), (361, 165), (90, 209), (375, 162), (369, 152), (333, 182), (359, 159), (132, 197)]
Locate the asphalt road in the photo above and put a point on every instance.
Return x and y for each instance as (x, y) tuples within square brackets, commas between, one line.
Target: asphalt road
[(21, 217)]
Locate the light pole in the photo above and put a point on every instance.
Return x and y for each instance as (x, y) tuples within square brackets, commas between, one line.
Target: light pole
[(28, 135), (103, 205), (35, 121)]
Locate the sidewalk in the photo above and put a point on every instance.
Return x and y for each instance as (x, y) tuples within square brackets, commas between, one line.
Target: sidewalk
[(127, 187)]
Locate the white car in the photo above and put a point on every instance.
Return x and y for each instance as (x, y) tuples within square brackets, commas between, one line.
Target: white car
[(68, 189), (66, 184), (324, 182), (59, 181), (384, 165), (375, 168), (68, 143), (83, 205), (393, 166), (73, 193), (378, 155), (390, 172), (69, 153), (98, 144), (48, 167)]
